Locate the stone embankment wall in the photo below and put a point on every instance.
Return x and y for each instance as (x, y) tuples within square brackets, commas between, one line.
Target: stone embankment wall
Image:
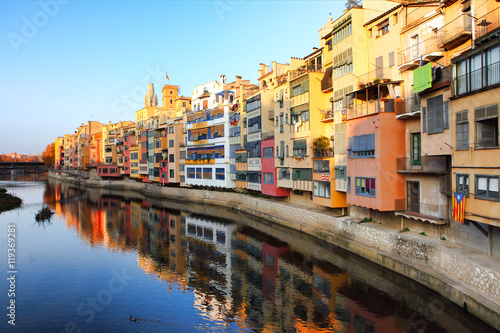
[(462, 275)]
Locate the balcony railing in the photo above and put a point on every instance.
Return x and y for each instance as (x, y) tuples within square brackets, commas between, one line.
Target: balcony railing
[(427, 164), (380, 74), (478, 79), (320, 153), (327, 115), (426, 48), (305, 69), (487, 23), (456, 31)]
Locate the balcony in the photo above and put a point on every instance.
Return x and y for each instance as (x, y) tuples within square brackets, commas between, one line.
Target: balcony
[(271, 115), (323, 153), (306, 69), (456, 32), (487, 24), (475, 80), (372, 99), (430, 213), (327, 116), (427, 164), (410, 108), (426, 50)]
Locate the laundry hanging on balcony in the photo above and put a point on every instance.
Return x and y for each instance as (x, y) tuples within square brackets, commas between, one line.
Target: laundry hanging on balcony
[(422, 78)]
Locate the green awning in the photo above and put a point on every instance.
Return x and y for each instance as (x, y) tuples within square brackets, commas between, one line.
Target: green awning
[(422, 78)]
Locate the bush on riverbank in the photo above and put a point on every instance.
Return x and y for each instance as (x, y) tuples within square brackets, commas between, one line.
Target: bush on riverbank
[(7, 201)]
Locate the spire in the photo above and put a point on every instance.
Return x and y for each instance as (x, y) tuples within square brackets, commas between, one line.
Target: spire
[(150, 98)]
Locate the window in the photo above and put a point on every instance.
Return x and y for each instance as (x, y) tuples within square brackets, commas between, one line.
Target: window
[(383, 28), (321, 166), (435, 116), (365, 186), (268, 152), (219, 173), (415, 149), (253, 149), (302, 174), (486, 126), (126, 159), (171, 129), (321, 189), (340, 172), (163, 175), (486, 187), (463, 184), (446, 114), (361, 146), (297, 90), (144, 144), (170, 143), (190, 172), (207, 173), (254, 177), (349, 184), (268, 178), (109, 160), (144, 156), (424, 119), (300, 147), (198, 173), (284, 173), (462, 130), (171, 157), (182, 155)]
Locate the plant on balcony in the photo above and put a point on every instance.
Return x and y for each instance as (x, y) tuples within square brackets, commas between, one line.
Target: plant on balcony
[(321, 143), (361, 85), (386, 80), (376, 80)]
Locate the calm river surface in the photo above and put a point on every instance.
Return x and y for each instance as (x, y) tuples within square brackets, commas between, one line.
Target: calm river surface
[(106, 256)]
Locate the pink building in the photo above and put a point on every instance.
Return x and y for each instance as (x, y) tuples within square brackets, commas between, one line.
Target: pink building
[(269, 177), (108, 170), (163, 172)]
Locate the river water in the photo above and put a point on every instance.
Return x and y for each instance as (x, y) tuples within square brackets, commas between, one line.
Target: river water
[(177, 267)]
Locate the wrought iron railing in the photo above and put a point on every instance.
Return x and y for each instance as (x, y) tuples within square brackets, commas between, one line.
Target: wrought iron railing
[(477, 79), (487, 23), (414, 52)]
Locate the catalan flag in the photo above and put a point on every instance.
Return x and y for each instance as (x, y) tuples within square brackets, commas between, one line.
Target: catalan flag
[(458, 207), (166, 74)]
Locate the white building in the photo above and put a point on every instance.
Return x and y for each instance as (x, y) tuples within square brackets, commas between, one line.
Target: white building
[(207, 126)]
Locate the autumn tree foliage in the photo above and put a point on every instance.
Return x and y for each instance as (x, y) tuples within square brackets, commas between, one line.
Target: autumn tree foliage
[(48, 155)]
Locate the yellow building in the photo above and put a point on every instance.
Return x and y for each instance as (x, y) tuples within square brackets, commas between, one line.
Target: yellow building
[(475, 117)]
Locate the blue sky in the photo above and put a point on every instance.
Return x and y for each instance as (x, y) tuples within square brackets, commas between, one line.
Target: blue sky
[(63, 63)]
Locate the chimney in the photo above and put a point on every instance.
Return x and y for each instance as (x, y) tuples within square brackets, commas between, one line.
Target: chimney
[(238, 80), (274, 69)]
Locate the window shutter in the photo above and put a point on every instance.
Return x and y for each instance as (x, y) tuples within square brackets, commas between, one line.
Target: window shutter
[(435, 117), (355, 143), (370, 142), (391, 59), (361, 142)]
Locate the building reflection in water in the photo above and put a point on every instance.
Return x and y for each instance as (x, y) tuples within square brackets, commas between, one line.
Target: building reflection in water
[(236, 273)]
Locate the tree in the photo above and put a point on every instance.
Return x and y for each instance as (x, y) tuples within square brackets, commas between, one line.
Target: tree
[(351, 3), (48, 155)]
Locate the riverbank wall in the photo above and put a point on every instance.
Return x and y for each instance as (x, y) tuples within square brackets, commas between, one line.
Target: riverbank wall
[(463, 275)]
